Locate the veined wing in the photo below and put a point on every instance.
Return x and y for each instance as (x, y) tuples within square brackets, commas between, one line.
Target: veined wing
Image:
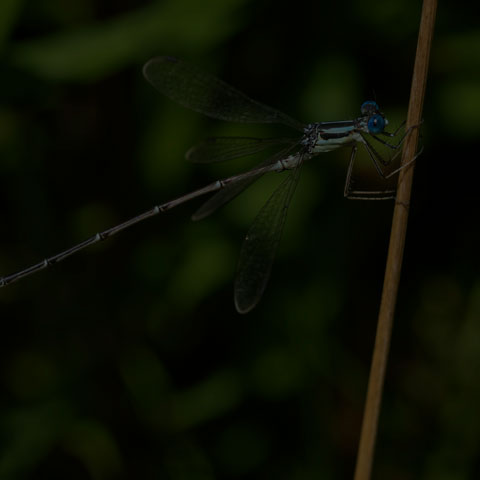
[(209, 95), (230, 191), (219, 149), (260, 245)]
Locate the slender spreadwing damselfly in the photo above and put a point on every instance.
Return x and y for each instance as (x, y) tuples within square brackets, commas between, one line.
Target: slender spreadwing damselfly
[(212, 97)]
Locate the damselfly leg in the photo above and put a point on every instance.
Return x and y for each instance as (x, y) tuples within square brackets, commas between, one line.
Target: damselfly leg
[(378, 161)]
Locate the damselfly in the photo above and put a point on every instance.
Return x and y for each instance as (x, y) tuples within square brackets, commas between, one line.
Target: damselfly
[(212, 97)]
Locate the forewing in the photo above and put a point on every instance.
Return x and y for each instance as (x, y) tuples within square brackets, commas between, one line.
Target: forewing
[(209, 95)]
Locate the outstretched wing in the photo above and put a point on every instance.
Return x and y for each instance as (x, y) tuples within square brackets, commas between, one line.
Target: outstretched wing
[(260, 245), (209, 95)]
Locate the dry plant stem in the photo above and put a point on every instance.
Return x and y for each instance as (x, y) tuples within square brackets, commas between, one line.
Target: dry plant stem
[(395, 251)]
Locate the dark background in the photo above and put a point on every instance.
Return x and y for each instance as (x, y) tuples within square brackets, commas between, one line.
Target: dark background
[(129, 360)]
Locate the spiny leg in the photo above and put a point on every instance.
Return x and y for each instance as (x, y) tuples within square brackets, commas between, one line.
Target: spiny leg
[(395, 146), (363, 194), (394, 134), (406, 165), (376, 157)]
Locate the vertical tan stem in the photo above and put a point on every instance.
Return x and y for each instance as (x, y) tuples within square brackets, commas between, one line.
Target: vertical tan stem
[(368, 435)]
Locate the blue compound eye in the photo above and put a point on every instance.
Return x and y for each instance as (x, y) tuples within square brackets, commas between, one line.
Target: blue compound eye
[(369, 107), (376, 124)]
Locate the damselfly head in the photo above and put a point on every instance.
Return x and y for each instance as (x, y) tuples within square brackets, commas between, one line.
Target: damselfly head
[(376, 123)]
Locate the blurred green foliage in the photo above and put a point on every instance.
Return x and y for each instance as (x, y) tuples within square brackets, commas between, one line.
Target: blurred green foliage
[(89, 52), (128, 360)]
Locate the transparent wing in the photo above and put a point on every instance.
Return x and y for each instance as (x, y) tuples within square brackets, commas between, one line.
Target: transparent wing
[(209, 95), (230, 191), (219, 149), (260, 245)]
